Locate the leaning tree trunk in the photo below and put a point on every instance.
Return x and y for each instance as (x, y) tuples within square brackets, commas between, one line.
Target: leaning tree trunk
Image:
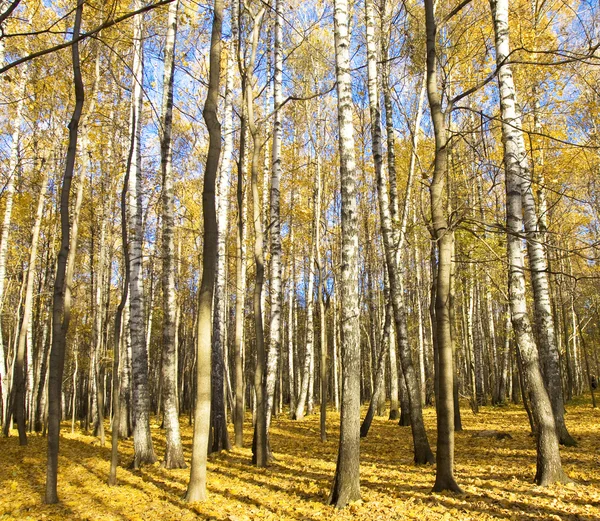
[(346, 483), (196, 490), (120, 327), (549, 467), (61, 312), (544, 319), (392, 245), (444, 476)]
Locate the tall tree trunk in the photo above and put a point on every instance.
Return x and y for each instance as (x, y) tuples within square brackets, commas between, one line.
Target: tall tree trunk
[(392, 245), (443, 236), (196, 490), (346, 483), (142, 438), (61, 311), (19, 366), (9, 192), (549, 468), (544, 319), (275, 219), (219, 436), (173, 451), (121, 327)]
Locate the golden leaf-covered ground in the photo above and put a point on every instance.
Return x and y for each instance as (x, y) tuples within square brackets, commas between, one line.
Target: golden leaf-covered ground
[(496, 476)]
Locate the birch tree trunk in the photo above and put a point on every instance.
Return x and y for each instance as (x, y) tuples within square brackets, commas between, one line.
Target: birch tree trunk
[(275, 220), (9, 192), (19, 366), (444, 476), (549, 467), (310, 330), (196, 490), (392, 245), (220, 438), (173, 451), (544, 319), (346, 483), (142, 439), (61, 312)]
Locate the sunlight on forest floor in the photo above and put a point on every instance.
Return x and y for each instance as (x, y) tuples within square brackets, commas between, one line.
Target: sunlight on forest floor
[(495, 475)]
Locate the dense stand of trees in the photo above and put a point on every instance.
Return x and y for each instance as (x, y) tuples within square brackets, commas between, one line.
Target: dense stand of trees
[(384, 202)]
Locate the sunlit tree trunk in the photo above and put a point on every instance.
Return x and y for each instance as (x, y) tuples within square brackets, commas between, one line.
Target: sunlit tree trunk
[(309, 350), (346, 483), (61, 312), (174, 451), (19, 365), (549, 467), (275, 219), (444, 476), (142, 439), (392, 245), (196, 490), (8, 193)]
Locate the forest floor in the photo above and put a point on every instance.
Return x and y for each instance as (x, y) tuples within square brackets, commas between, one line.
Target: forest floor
[(496, 475)]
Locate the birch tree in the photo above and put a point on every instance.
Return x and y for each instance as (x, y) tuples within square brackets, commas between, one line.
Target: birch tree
[(443, 236), (196, 490), (549, 467), (61, 312), (346, 481), (142, 438), (174, 451)]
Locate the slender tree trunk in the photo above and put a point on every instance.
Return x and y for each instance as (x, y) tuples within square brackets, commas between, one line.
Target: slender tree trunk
[(19, 366), (174, 451), (379, 377), (346, 483), (275, 220), (142, 438), (549, 467), (196, 490), (443, 236), (310, 331), (61, 312), (8, 193), (121, 326), (392, 244), (219, 436), (544, 319)]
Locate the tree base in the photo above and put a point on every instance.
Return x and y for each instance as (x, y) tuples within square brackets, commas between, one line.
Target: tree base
[(195, 494), (446, 484), (550, 477), (424, 457), (566, 440), (172, 461)]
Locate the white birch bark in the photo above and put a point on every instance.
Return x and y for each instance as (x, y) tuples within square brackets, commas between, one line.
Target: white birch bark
[(549, 467), (142, 439), (220, 438), (346, 485), (275, 218), (173, 457)]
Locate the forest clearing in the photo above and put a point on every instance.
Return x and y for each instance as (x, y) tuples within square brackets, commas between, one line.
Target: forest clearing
[(496, 476)]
